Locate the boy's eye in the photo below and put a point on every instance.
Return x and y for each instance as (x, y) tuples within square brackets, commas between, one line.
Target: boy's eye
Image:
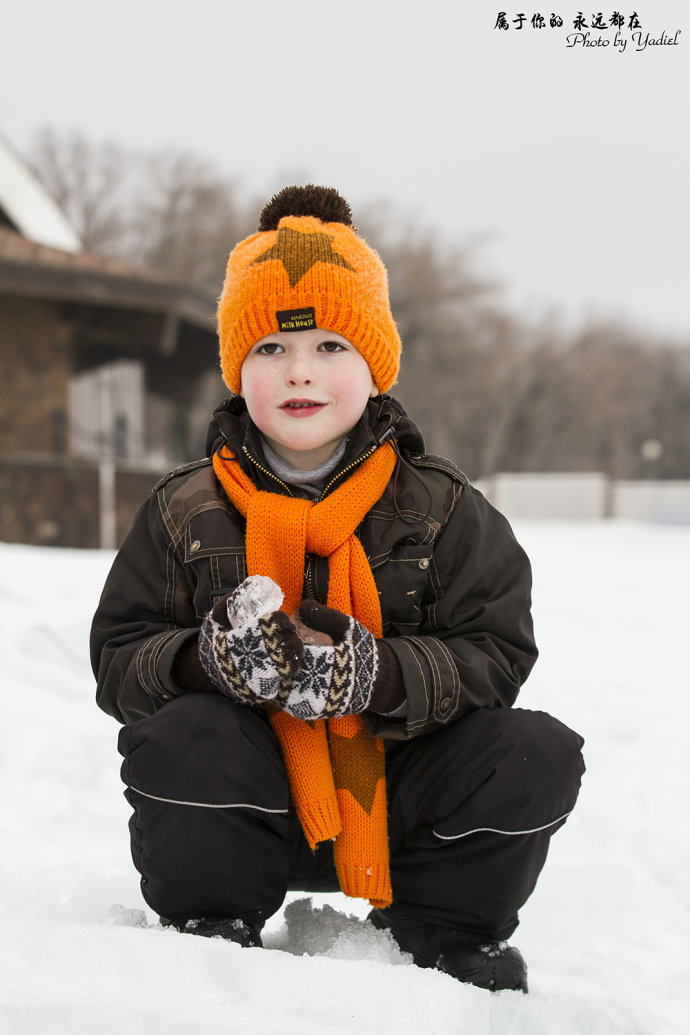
[(332, 346), (269, 348)]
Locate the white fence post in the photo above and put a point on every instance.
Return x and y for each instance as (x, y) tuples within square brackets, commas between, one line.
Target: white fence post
[(107, 505)]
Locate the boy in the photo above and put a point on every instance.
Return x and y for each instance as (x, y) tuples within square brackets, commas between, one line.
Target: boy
[(345, 719)]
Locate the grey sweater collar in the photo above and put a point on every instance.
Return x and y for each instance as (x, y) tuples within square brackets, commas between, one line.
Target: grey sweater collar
[(311, 482)]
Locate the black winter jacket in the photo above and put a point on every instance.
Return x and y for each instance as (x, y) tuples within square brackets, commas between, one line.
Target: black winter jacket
[(454, 583)]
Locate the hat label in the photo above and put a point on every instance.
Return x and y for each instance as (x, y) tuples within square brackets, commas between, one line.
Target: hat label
[(296, 319)]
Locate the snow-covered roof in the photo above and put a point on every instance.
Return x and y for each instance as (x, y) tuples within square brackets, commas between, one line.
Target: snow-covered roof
[(28, 205), (37, 271)]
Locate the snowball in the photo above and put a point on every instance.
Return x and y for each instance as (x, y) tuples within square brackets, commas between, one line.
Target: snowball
[(255, 597)]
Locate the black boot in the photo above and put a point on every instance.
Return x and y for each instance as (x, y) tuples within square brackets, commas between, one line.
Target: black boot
[(231, 928), (495, 965)]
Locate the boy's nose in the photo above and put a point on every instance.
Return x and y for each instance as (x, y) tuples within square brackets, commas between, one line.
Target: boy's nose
[(298, 372)]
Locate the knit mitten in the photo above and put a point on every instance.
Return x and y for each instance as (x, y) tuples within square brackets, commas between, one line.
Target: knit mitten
[(331, 681), (248, 662)]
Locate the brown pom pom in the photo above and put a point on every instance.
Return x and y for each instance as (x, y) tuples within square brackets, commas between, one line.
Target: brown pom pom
[(323, 202)]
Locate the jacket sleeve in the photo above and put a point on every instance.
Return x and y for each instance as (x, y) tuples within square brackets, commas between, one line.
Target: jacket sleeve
[(144, 617), (476, 644)]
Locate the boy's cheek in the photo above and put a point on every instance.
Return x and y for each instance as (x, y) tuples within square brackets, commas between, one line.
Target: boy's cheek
[(256, 393)]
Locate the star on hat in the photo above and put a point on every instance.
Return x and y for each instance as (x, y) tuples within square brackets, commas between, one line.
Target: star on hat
[(299, 252)]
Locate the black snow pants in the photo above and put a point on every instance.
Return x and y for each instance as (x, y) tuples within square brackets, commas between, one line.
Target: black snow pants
[(471, 810)]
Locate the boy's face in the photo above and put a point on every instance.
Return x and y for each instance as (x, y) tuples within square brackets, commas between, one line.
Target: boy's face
[(305, 390)]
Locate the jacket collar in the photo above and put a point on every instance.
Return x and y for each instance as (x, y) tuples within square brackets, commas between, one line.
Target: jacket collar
[(383, 418)]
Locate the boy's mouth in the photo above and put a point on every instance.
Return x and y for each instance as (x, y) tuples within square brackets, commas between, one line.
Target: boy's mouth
[(301, 407)]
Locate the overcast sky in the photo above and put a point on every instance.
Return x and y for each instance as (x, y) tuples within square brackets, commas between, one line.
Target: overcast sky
[(571, 162)]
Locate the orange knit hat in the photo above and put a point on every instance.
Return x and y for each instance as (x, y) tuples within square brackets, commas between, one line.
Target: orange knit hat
[(306, 268)]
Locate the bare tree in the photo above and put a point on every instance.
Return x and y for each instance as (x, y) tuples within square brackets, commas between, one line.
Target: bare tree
[(436, 298), (168, 210), (494, 393), (88, 182), (189, 219), (588, 402)]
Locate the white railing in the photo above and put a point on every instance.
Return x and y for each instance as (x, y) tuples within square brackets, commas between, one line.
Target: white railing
[(587, 497)]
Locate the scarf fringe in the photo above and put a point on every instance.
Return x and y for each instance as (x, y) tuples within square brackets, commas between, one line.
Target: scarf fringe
[(320, 820), (368, 880), (305, 752)]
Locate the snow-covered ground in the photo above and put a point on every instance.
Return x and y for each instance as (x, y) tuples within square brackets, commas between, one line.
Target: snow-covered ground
[(605, 934)]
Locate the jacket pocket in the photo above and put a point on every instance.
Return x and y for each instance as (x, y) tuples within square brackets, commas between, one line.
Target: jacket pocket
[(213, 565), (402, 578)]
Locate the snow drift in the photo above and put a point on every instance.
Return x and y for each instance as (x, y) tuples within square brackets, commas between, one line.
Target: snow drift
[(605, 934)]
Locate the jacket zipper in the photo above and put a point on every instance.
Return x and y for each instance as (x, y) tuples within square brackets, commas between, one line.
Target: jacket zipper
[(355, 463), (341, 474), (309, 585), (346, 470), (264, 470)]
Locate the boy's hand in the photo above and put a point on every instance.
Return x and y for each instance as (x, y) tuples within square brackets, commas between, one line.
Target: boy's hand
[(311, 637), (331, 680), (249, 663)]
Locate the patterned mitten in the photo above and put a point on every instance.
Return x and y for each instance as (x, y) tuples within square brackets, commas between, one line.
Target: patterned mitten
[(331, 681), (248, 647)]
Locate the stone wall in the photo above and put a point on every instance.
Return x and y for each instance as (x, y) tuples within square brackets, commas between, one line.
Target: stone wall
[(55, 501), (35, 351)]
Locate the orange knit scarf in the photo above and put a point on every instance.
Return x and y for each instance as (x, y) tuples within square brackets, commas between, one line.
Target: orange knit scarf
[(339, 795)]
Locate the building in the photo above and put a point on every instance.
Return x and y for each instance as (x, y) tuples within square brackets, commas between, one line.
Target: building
[(107, 375)]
